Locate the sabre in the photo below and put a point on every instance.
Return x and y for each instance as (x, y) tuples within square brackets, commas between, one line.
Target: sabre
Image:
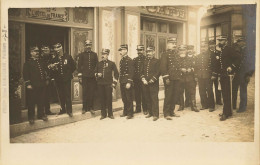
[(231, 77), (57, 95)]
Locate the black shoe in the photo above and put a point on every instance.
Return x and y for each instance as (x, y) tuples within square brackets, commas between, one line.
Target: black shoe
[(129, 117), (83, 111), (240, 111), (223, 117), (202, 108), (195, 109), (102, 117), (50, 113), (211, 109), (181, 108), (155, 118), (61, 112), (111, 117), (148, 116), (145, 112), (44, 118), (70, 114), (168, 118), (123, 115), (92, 112), (31, 121)]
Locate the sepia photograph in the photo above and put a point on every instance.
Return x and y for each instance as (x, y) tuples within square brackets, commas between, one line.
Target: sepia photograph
[(131, 74)]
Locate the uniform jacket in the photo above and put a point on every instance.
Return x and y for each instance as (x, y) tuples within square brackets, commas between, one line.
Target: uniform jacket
[(87, 62), (126, 70), (150, 69), (228, 57), (189, 63), (169, 65), (106, 68), (34, 73), (65, 66), (203, 65), (138, 62)]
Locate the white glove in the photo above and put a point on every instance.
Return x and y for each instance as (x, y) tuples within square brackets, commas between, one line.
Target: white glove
[(128, 85)]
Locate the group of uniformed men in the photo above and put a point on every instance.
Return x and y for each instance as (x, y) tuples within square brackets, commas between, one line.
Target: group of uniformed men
[(179, 67)]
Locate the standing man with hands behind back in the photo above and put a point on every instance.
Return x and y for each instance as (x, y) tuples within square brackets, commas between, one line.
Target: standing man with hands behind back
[(86, 73)]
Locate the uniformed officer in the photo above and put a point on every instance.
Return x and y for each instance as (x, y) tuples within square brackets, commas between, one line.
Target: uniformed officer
[(215, 54), (87, 62), (126, 81), (188, 82), (229, 62), (139, 93), (35, 78), (169, 67), (203, 70), (46, 57), (245, 71), (106, 82), (64, 66), (150, 78)]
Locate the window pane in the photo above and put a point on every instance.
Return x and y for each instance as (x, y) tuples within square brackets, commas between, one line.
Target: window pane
[(211, 32), (149, 26), (162, 27), (203, 34), (162, 46), (173, 28), (150, 40)]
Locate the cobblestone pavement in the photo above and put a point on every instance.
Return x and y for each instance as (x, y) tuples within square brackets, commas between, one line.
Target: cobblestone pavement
[(203, 126)]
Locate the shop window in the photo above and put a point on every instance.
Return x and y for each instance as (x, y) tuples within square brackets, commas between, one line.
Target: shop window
[(173, 28), (149, 26), (162, 27), (203, 34), (211, 33)]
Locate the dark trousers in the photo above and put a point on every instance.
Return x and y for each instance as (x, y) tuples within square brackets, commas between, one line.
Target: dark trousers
[(139, 96), (64, 91), (47, 98), (206, 92), (239, 82), (217, 92), (35, 97), (190, 90), (172, 93), (151, 96), (127, 98), (226, 93), (105, 94), (88, 90)]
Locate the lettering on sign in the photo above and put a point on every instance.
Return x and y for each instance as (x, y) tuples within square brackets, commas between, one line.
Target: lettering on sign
[(52, 14), (166, 10)]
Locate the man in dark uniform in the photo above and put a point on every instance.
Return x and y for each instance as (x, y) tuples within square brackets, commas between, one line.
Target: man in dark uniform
[(64, 66), (126, 81), (150, 78), (169, 67), (46, 57), (203, 70), (86, 73), (35, 78), (229, 63), (104, 74), (188, 82), (215, 54), (139, 93), (245, 71)]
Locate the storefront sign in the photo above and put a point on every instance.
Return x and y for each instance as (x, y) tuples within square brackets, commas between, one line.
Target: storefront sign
[(52, 14), (166, 10)]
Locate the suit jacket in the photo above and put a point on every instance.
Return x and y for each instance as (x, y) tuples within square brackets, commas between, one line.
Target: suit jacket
[(35, 73), (126, 70), (106, 68), (150, 69), (203, 65), (87, 62)]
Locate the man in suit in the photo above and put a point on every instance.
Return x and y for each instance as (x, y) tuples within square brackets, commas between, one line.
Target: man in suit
[(87, 62), (126, 81), (245, 71), (106, 82), (228, 64), (35, 78), (150, 78), (63, 66), (138, 89), (203, 70), (169, 67)]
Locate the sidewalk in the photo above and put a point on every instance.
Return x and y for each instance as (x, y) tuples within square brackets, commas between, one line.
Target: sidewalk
[(55, 120)]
